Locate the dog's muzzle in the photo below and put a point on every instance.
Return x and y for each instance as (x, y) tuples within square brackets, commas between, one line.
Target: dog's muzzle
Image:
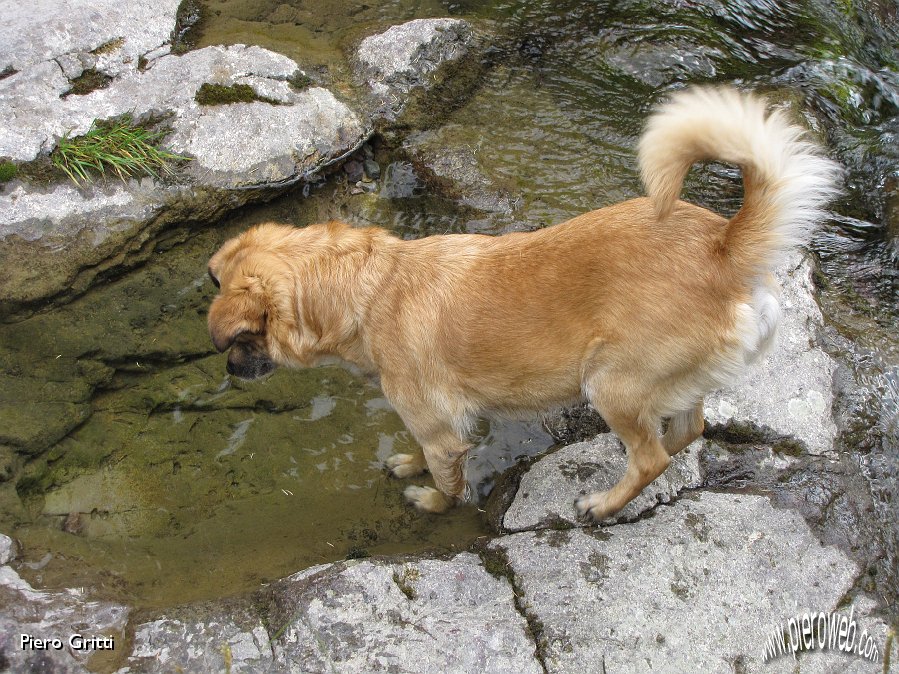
[(248, 363)]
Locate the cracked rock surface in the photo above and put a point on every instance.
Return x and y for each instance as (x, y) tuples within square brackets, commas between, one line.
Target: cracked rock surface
[(547, 491), (420, 615), (696, 587)]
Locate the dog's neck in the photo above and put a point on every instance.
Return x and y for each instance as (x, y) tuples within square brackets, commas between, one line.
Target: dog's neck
[(335, 306)]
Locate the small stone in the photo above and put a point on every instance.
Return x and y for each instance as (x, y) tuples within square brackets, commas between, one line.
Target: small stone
[(157, 53), (372, 169), (353, 170), (73, 524), (368, 152)]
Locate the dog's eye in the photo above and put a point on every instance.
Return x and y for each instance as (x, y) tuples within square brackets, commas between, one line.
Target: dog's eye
[(215, 281)]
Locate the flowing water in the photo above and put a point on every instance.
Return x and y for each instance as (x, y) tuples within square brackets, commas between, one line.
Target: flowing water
[(152, 475)]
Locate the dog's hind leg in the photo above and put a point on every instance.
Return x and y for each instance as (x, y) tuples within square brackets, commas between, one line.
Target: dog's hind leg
[(683, 428), (646, 460)]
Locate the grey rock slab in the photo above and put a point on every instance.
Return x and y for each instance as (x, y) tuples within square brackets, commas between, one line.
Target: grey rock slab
[(791, 389), (207, 638), (404, 57), (40, 30), (697, 587), (56, 241), (421, 616), (547, 491), (49, 615)]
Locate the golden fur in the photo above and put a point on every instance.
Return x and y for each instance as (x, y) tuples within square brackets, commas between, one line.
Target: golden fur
[(641, 308)]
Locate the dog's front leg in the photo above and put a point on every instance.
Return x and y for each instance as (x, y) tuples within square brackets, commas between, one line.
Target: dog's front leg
[(445, 453), (406, 465)]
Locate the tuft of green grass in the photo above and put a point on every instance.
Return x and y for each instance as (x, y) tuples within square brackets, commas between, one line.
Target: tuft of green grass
[(119, 146)]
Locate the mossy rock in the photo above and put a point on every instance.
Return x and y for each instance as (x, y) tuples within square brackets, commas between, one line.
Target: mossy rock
[(220, 94), (8, 171)]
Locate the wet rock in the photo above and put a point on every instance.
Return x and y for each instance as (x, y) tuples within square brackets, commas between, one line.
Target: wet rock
[(353, 170), (699, 586), (656, 63), (427, 615), (8, 463), (372, 169), (401, 181), (406, 57), (73, 524), (52, 615), (7, 549), (31, 427), (791, 390), (546, 493), (207, 638)]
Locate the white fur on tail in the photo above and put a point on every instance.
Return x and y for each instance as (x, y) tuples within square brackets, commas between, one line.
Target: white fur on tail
[(787, 181)]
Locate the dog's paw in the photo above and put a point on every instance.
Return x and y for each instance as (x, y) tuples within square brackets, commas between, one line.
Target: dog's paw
[(405, 465), (428, 499), (593, 508)]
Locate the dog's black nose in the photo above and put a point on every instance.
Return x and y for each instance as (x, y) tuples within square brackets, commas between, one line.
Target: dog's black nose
[(229, 368)]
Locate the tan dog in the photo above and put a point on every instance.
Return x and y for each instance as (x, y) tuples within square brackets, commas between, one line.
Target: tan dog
[(641, 308)]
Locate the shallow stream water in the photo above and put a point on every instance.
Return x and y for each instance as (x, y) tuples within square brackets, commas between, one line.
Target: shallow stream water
[(153, 476)]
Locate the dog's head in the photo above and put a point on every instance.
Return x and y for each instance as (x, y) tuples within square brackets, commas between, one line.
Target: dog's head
[(282, 297)]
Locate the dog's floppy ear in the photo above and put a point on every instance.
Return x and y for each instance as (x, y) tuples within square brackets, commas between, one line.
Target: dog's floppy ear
[(233, 315)]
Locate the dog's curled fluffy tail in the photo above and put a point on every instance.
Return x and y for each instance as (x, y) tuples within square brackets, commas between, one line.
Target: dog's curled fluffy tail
[(787, 182)]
